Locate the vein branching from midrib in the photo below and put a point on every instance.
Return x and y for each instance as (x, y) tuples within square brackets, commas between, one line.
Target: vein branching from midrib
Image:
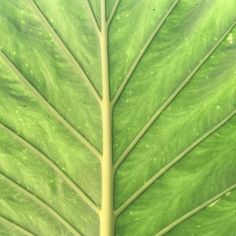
[(50, 107), (167, 167), (113, 12), (66, 50), (17, 226), (142, 53), (195, 211), (40, 202), (169, 100), (55, 168), (53, 110), (93, 18)]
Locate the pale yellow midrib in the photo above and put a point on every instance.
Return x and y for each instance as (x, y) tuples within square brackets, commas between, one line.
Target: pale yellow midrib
[(107, 213)]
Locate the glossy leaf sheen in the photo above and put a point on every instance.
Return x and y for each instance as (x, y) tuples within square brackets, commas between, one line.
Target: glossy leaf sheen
[(171, 68)]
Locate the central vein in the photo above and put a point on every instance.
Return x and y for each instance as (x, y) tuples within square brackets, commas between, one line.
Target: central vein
[(107, 212)]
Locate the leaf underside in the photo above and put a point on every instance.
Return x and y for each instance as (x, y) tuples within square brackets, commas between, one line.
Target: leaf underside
[(172, 79)]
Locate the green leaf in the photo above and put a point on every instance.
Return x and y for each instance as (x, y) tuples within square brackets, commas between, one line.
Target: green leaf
[(117, 117)]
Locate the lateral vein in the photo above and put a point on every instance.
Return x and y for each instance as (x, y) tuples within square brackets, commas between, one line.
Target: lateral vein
[(141, 53), (146, 127), (66, 51), (50, 107), (40, 202), (167, 167), (93, 18), (50, 163), (113, 12), (195, 211), (17, 226)]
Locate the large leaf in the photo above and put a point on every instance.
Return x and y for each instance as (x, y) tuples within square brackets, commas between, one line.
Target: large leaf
[(117, 117)]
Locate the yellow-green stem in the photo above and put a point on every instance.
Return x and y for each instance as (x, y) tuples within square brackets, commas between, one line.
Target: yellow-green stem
[(107, 213)]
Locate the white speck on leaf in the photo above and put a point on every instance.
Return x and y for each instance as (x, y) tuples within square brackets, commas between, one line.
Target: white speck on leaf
[(230, 39)]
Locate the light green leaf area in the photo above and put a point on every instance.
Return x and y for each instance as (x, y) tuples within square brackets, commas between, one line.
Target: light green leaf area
[(117, 117)]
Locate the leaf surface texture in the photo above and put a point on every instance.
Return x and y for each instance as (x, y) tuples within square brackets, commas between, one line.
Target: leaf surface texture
[(171, 79)]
